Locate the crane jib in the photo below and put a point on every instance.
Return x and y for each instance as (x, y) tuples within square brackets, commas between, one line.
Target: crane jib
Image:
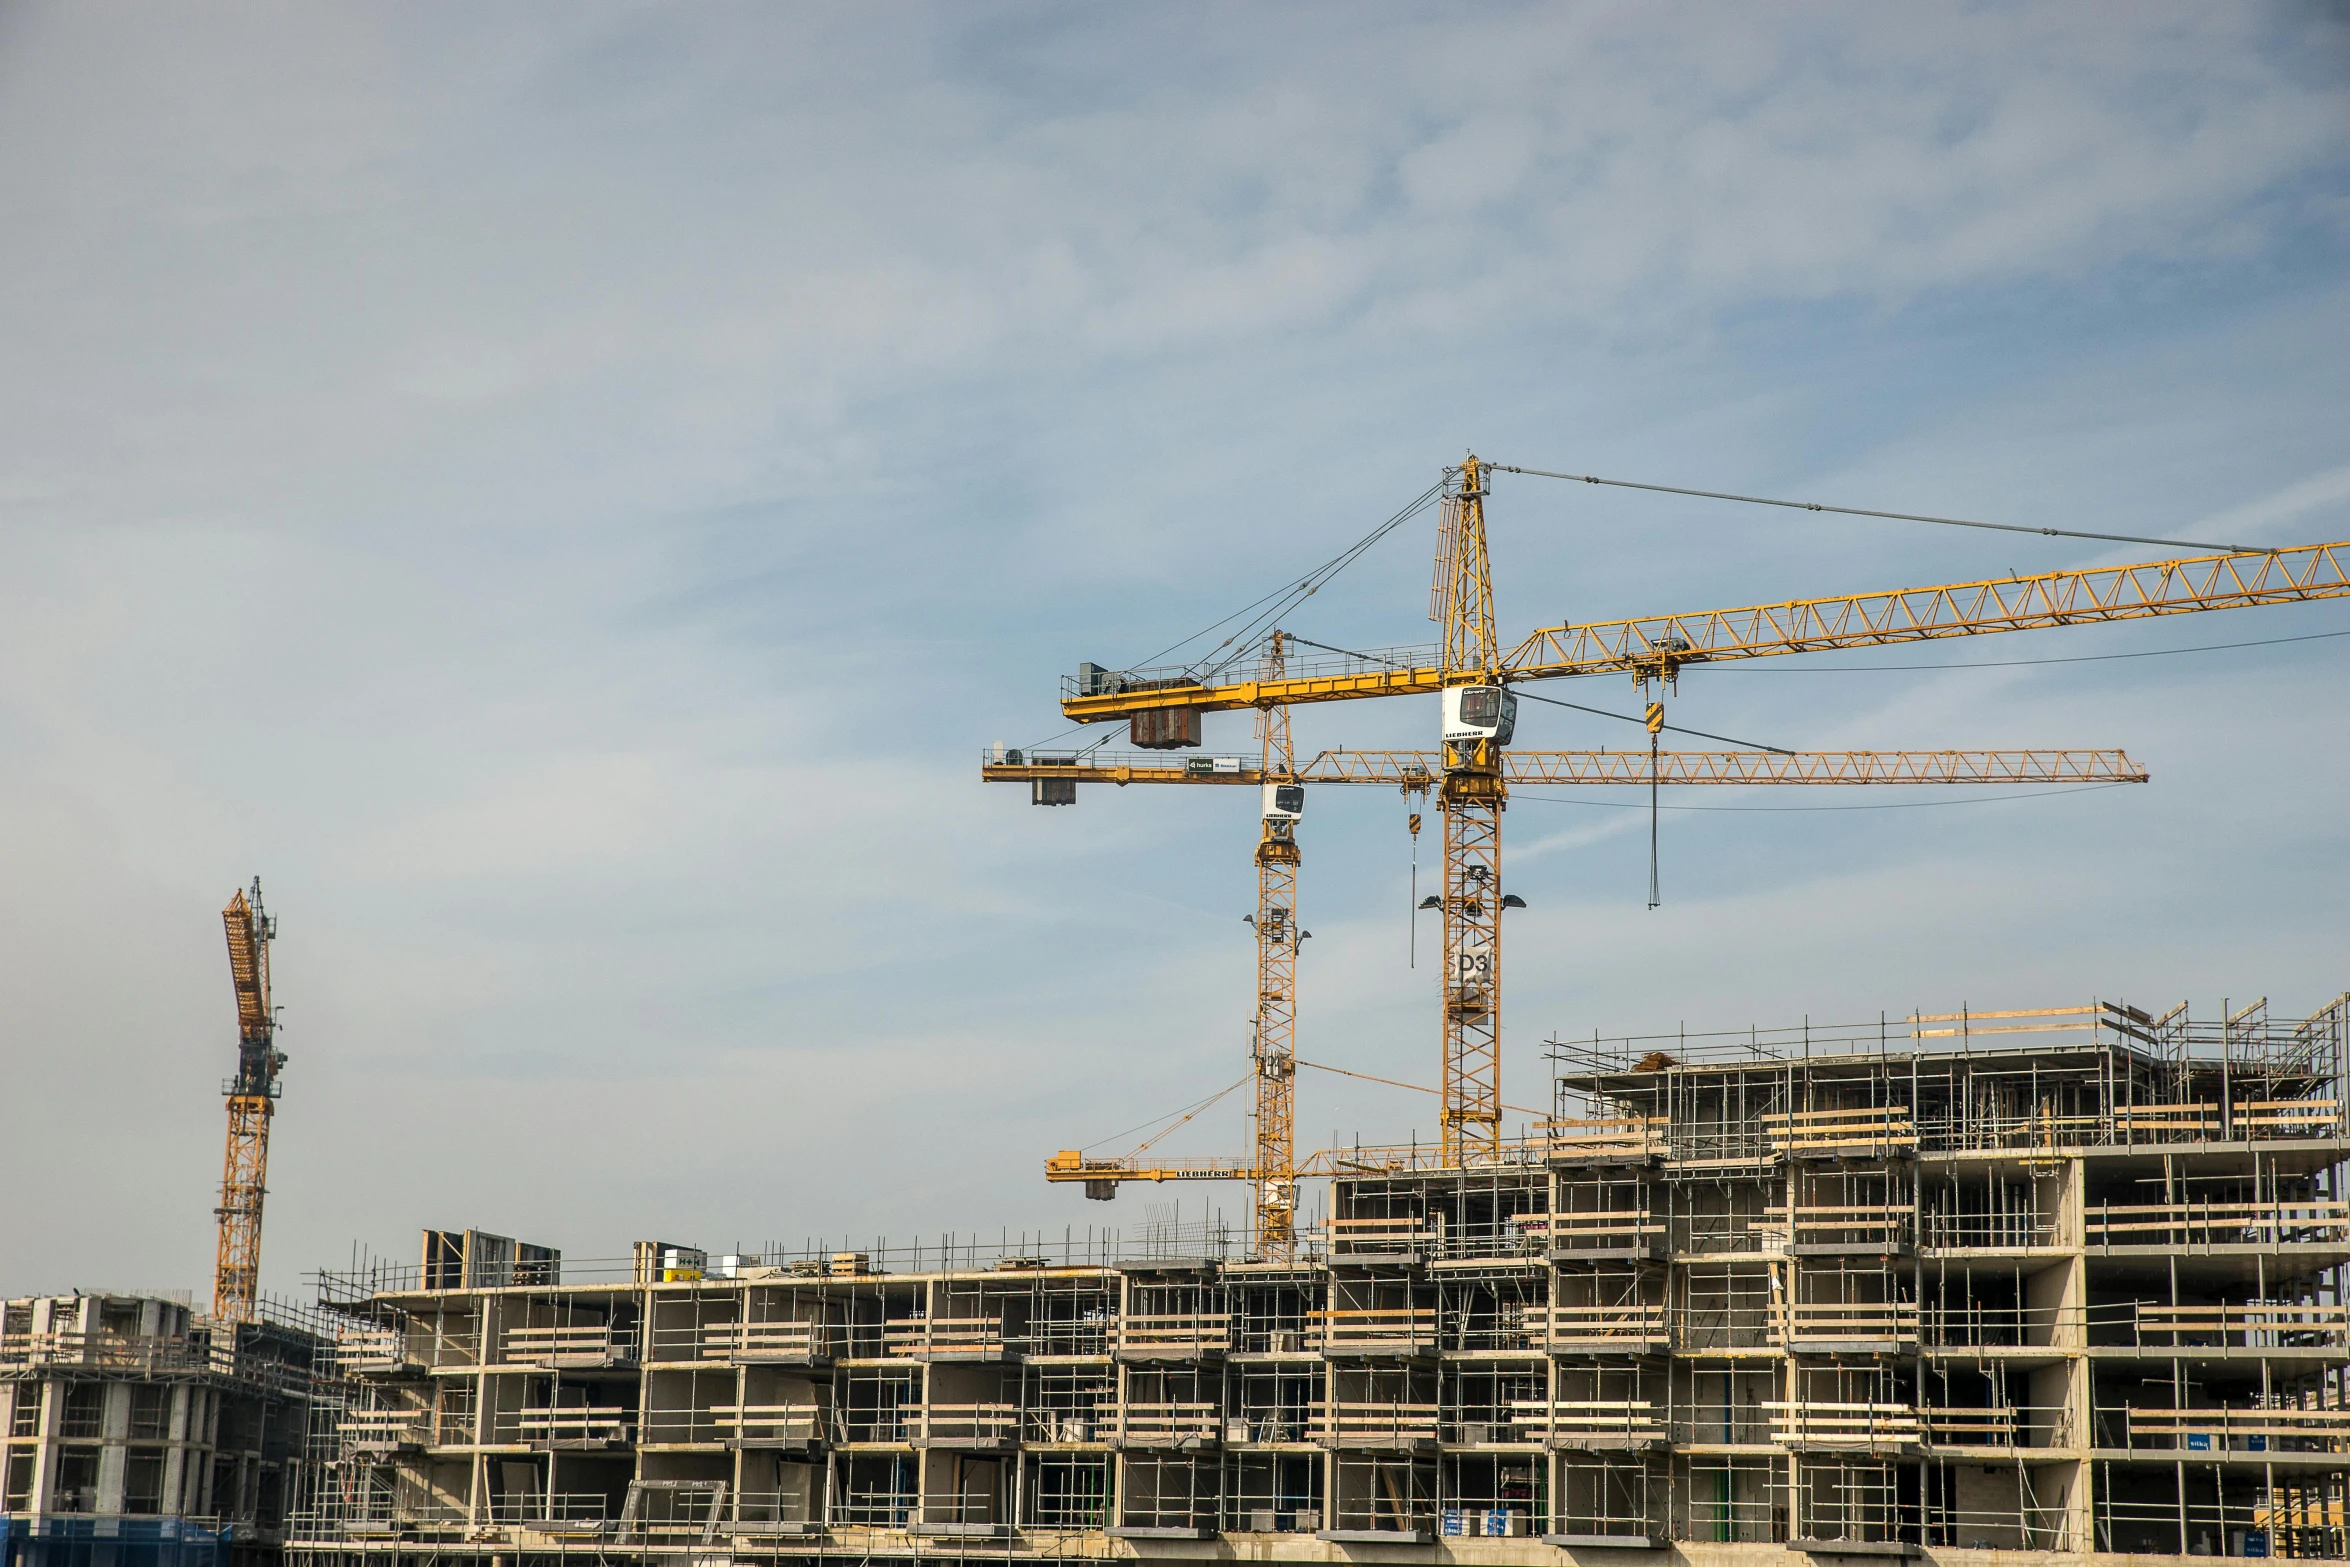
[(1660, 643)]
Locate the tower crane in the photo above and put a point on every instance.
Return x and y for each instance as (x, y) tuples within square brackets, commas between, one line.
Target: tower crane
[(252, 1100), (1471, 674), (1273, 1169)]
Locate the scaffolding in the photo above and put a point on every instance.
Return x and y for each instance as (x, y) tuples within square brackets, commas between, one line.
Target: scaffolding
[(2063, 1280)]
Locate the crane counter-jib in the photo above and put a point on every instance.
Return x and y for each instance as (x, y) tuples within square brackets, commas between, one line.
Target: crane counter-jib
[(1657, 644)]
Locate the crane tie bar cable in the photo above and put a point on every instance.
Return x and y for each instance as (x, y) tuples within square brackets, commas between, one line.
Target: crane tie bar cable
[(1599, 712), (1752, 745), (1894, 516)]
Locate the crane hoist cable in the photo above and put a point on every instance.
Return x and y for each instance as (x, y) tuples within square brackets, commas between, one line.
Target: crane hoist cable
[(1656, 724)]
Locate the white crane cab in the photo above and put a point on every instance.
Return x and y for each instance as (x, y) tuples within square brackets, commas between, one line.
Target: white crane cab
[(1473, 713), (1285, 802)]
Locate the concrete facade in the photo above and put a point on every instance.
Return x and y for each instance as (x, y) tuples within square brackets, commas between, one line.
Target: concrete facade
[(133, 1407)]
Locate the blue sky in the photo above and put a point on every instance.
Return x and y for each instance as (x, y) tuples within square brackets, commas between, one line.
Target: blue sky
[(565, 493)]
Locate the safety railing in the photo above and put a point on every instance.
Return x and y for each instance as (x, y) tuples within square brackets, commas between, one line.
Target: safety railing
[(1087, 1336), (785, 1342), (965, 1425), (1721, 1424), (1849, 1327), (2035, 1425), (1886, 1225), (2220, 1430), (1286, 1426), (592, 1424), (681, 1510), (1618, 1230), (1956, 1230), (1587, 1422), (592, 1345), (1383, 1237), (675, 1427), (1401, 1331), (1067, 1427), (1198, 1334), (757, 1510), (2134, 1125), (1867, 1427), (889, 1425), (2276, 1223), (945, 1337), (2249, 1325), (778, 1425), (563, 1512), (2166, 1123), (1484, 1428), (1374, 1425), (1631, 1329), (1865, 1132), (875, 1506), (374, 1516), (2287, 1118), (360, 1350), (108, 1352), (379, 1430), (1611, 1138), (1168, 1424), (1969, 1324)]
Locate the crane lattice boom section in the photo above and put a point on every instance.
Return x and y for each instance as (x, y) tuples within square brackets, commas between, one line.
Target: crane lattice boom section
[(2056, 598), (252, 1100), (1659, 643), (1419, 768), (248, 969)]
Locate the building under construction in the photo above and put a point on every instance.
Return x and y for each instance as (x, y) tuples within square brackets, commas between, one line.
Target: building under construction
[(139, 1433), (2062, 1282)]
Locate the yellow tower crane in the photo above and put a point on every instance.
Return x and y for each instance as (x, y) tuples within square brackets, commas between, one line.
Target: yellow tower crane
[(1471, 675), (1273, 1034), (1273, 1169), (252, 1100)]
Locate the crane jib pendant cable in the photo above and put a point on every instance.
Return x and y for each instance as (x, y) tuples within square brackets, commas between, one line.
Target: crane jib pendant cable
[(1890, 516)]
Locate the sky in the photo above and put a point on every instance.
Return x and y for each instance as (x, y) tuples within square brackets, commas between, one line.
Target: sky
[(564, 493)]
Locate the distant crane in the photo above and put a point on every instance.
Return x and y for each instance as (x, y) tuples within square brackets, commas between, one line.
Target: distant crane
[(1471, 672), (252, 1100), (1274, 1169)]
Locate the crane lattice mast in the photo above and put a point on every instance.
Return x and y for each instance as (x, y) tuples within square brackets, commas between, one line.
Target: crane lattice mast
[(1274, 1046), (252, 1100), (1471, 795)]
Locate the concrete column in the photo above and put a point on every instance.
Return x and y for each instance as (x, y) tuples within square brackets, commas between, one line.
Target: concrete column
[(175, 1457), (45, 1423), (111, 1457), (2073, 1336)]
